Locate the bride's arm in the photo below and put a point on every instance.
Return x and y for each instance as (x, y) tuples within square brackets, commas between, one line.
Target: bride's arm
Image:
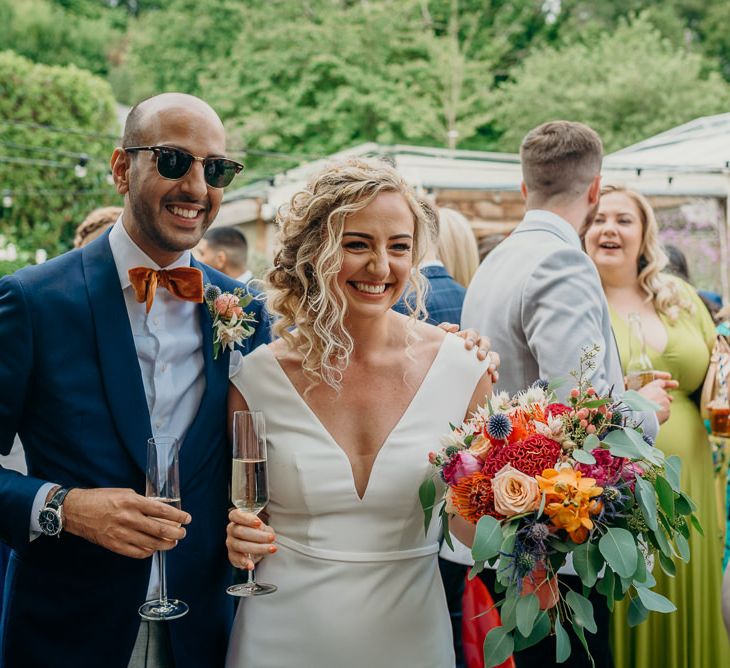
[(458, 526), (246, 534)]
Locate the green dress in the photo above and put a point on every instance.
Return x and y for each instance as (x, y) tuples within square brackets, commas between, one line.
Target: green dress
[(694, 636)]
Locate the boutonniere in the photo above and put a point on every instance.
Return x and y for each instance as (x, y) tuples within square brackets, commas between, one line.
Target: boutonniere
[(231, 324)]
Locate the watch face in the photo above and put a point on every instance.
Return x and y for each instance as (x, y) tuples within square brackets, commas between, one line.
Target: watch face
[(50, 521)]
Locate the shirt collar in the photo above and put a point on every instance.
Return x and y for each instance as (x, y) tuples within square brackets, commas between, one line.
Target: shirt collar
[(431, 263), (128, 254), (561, 226)]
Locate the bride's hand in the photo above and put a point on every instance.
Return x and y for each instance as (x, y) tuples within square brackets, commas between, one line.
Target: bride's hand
[(473, 338), (248, 539)]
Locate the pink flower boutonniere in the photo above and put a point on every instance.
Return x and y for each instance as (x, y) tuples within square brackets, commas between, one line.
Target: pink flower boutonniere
[(231, 324)]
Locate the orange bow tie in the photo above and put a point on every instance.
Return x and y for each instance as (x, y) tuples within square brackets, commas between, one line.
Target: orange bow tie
[(183, 282)]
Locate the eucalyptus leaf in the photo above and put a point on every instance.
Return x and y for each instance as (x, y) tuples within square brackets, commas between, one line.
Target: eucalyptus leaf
[(582, 637), (587, 561), (508, 613), (583, 456), (620, 445), (540, 630), (653, 601), (667, 564), (637, 402), (591, 442), (596, 403), (692, 505), (663, 542), (618, 548), (447, 532), (682, 547), (673, 472), (646, 497), (427, 496), (498, 646), (477, 568), (487, 539), (527, 610), (562, 643), (641, 573), (582, 611), (696, 524), (637, 612), (651, 454), (665, 493), (605, 587)]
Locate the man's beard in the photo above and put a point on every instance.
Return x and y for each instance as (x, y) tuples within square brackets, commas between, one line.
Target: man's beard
[(146, 219)]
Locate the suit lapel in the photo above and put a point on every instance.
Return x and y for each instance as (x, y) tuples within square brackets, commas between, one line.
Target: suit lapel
[(118, 361), (196, 447)]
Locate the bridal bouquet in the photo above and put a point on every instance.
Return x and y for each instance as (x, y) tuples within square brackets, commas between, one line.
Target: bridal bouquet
[(543, 480)]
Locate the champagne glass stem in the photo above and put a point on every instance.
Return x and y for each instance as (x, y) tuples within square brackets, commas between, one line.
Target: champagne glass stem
[(163, 578), (251, 571)]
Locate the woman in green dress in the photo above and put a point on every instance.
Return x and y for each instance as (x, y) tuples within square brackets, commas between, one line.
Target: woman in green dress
[(679, 333)]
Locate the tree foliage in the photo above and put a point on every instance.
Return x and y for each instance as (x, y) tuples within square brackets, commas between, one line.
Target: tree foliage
[(628, 85), (49, 200)]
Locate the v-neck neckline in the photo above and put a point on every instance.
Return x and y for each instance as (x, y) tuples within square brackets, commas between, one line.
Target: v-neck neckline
[(318, 421)]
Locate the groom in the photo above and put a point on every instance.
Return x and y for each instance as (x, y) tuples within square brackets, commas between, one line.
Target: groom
[(539, 297), (87, 374)]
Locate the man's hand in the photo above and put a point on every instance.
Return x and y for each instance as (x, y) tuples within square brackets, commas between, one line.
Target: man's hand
[(657, 391), (473, 338), (123, 521), (248, 539)]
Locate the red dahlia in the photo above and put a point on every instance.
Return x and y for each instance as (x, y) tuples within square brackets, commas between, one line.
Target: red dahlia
[(530, 456), (557, 409)]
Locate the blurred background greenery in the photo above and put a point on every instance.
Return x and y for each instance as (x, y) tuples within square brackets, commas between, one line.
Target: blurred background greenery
[(297, 79)]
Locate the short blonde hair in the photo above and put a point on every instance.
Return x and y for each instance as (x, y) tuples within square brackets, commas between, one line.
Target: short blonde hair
[(302, 288), (457, 246), (660, 288)]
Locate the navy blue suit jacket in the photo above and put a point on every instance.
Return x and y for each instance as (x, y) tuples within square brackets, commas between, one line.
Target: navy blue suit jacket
[(444, 297), (71, 387)]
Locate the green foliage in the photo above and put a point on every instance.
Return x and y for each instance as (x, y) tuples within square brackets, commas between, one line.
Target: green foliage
[(46, 33), (49, 201), (628, 85)]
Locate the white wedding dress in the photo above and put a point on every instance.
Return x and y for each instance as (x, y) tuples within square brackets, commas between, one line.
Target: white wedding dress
[(358, 579)]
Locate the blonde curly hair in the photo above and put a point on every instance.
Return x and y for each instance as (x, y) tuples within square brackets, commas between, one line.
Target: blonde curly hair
[(302, 288), (660, 289)]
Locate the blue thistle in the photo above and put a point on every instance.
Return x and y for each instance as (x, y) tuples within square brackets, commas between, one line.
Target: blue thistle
[(542, 384), (499, 426), (212, 292), (648, 440)]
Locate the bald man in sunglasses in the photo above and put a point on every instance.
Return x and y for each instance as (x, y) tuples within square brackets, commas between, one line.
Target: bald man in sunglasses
[(88, 373)]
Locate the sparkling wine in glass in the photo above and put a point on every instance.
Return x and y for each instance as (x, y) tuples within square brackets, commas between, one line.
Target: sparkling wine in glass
[(163, 484), (249, 482)]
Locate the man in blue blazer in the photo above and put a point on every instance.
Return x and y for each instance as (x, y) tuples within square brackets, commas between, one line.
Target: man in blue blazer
[(88, 373)]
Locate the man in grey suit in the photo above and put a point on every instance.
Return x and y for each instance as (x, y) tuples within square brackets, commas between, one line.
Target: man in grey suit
[(539, 298)]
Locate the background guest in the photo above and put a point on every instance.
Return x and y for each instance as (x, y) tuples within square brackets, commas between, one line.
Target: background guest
[(95, 224), (457, 246), (226, 249), (622, 241), (448, 232)]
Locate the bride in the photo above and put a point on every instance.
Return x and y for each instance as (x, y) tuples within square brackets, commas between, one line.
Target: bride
[(355, 396)]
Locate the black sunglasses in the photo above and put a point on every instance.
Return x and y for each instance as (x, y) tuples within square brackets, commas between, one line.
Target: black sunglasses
[(174, 163)]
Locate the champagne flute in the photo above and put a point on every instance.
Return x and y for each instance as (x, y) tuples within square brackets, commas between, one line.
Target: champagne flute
[(163, 484), (249, 482)]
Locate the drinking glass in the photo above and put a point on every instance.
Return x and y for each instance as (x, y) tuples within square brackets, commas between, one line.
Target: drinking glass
[(249, 482), (163, 484)]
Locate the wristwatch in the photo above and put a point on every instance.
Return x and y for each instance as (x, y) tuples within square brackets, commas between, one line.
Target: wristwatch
[(51, 516)]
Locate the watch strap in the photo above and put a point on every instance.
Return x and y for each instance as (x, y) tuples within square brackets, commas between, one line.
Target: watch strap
[(58, 497)]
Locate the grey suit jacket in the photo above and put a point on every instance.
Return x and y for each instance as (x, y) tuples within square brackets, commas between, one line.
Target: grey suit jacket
[(539, 298)]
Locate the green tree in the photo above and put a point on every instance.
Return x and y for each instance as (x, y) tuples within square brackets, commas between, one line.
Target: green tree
[(628, 85), (38, 166), (46, 33)]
